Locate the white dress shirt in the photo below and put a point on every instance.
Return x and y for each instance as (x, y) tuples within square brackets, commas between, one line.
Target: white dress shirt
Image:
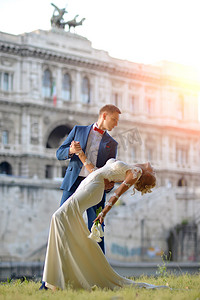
[(92, 149)]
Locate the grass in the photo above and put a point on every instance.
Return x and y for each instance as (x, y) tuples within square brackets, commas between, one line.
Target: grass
[(184, 287)]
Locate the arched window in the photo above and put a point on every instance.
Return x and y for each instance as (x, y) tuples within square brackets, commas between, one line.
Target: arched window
[(182, 182), (85, 90), (66, 87), (46, 84), (5, 168)]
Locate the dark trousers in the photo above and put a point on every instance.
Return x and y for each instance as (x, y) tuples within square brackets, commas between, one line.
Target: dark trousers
[(91, 212)]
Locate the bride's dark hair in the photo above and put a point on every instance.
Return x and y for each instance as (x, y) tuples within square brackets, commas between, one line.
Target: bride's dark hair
[(146, 182)]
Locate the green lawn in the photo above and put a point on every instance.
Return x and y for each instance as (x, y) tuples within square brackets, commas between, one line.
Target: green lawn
[(183, 287)]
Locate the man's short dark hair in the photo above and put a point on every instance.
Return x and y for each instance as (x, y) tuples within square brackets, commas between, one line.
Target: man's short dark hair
[(110, 108)]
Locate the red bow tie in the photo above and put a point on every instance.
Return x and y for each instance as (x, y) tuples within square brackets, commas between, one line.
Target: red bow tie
[(99, 130)]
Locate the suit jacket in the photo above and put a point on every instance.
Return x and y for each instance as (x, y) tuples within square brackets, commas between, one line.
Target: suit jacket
[(107, 150)]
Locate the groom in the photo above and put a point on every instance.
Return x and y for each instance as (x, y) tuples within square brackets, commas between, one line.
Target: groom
[(98, 146)]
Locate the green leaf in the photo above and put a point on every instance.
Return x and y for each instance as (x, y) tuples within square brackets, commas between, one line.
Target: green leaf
[(98, 210)]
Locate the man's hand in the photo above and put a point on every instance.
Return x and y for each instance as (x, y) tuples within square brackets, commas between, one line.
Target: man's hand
[(74, 147), (108, 184)]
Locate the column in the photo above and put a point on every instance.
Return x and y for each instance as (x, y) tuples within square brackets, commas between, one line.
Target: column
[(77, 89)]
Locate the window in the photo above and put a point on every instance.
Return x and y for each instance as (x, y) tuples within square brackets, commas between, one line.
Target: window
[(149, 106), (66, 87), (168, 183), (181, 155), (5, 137), (132, 104), (49, 171), (117, 99), (6, 81), (46, 84), (85, 90), (149, 154)]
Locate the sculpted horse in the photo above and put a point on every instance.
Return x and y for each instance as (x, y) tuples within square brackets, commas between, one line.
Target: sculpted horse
[(74, 23), (56, 19)]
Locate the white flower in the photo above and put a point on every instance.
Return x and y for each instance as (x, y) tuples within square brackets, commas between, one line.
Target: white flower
[(100, 229), (96, 232)]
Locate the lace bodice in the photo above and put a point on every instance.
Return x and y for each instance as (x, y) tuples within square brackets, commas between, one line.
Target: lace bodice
[(115, 170)]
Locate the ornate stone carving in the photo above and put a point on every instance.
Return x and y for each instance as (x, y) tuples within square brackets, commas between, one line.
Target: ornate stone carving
[(34, 130), (34, 85)]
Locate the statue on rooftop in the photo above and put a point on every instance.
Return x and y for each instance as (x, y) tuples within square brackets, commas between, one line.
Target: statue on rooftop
[(57, 19), (74, 23)]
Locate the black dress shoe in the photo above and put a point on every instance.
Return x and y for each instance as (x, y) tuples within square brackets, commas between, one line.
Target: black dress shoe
[(43, 287)]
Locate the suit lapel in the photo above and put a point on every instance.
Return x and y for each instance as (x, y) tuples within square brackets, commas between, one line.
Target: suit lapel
[(103, 153), (105, 139)]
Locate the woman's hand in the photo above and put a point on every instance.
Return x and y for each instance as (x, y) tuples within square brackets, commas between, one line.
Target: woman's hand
[(100, 218)]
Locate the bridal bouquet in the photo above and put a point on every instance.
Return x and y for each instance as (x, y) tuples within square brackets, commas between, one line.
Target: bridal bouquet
[(96, 230)]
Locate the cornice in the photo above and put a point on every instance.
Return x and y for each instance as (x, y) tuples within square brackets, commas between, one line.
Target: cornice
[(182, 84), (24, 50), (114, 69), (43, 107)]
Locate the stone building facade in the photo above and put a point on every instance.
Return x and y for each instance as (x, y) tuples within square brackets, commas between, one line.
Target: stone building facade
[(52, 80)]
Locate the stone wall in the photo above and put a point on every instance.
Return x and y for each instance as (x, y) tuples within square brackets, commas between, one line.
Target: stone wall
[(140, 228), (136, 229), (26, 208)]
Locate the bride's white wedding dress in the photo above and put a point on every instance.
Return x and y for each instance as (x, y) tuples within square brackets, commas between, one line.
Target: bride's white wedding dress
[(73, 259)]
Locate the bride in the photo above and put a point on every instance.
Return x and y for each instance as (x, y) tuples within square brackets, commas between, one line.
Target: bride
[(72, 258)]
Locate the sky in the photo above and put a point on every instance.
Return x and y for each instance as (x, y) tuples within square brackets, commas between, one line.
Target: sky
[(142, 31)]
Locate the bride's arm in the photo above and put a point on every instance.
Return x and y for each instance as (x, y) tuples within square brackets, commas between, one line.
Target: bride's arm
[(86, 162), (124, 186), (75, 148)]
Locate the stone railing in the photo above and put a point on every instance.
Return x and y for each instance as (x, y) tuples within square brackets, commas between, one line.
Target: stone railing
[(13, 149), (10, 149)]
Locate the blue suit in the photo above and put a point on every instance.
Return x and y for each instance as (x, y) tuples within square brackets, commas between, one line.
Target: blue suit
[(107, 150)]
